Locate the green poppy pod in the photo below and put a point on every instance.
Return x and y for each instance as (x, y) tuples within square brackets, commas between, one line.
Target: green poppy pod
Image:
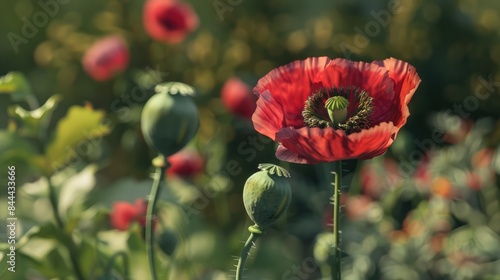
[(267, 194), (167, 241), (170, 119)]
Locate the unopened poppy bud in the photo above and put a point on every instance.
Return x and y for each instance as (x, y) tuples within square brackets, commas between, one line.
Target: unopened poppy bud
[(337, 109), (267, 194), (169, 119), (167, 241)]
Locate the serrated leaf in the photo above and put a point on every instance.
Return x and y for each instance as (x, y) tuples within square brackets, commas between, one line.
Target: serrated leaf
[(16, 84), (81, 124), (34, 123)]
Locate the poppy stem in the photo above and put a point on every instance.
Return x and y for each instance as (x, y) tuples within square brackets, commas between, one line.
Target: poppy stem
[(255, 233), (159, 163), (337, 269), (68, 239)]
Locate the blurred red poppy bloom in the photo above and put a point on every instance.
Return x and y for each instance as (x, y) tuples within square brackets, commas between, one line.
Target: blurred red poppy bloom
[(291, 108), (105, 58), (238, 98), (376, 179), (124, 214), (169, 20), (185, 163)]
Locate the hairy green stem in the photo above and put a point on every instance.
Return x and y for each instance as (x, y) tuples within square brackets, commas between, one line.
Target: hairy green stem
[(255, 233), (337, 269), (153, 198), (70, 245)]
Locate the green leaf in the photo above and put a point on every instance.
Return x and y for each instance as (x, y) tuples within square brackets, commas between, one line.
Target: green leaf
[(15, 151), (135, 242), (81, 124), (74, 192), (16, 84), (48, 231), (34, 123)]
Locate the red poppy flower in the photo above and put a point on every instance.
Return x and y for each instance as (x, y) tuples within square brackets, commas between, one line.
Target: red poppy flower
[(169, 20), (105, 58), (185, 163), (124, 214), (237, 97), (372, 101)]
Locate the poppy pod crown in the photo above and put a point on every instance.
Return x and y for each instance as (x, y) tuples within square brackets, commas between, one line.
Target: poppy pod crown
[(324, 110)]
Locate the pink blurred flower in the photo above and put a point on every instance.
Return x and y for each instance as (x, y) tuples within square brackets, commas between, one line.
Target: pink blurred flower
[(328, 212), (474, 181), (438, 242), (185, 163), (106, 57), (457, 134), (358, 207), (124, 214), (377, 179), (238, 98), (483, 158), (423, 174), (169, 21)]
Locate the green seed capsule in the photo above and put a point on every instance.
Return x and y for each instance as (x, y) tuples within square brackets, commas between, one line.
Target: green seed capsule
[(169, 119), (267, 194), (167, 241)]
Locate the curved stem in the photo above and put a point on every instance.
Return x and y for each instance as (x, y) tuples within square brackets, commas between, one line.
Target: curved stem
[(153, 198), (70, 245), (336, 269), (255, 233)]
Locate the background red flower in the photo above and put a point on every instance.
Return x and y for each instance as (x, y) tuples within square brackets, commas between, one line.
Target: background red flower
[(238, 98), (169, 20), (106, 57), (124, 214), (185, 163)]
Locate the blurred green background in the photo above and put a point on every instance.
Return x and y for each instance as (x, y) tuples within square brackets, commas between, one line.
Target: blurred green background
[(396, 230)]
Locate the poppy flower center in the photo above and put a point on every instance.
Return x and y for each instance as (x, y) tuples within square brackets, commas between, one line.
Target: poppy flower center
[(172, 19), (347, 108)]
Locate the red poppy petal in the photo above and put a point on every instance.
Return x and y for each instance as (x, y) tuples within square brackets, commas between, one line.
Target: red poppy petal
[(238, 98), (169, 20), (106, 57), (141, 206), (268, 117), (327, 145), (122, 215), (406, 81), (285, 154), (371, 77), (290, 86)]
